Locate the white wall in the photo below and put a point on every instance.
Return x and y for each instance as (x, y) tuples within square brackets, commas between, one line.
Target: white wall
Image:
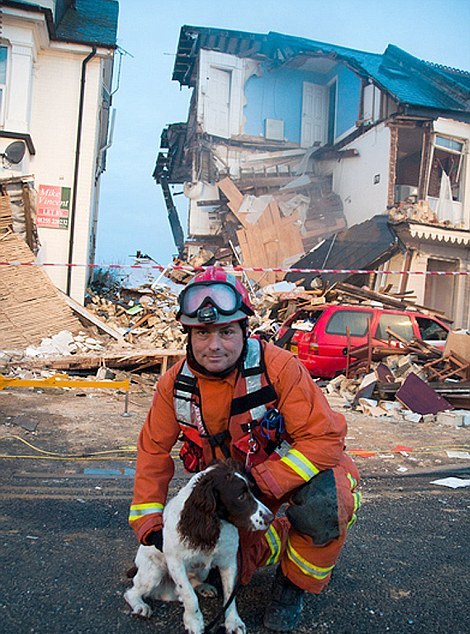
[(353, 178), (54, 126)]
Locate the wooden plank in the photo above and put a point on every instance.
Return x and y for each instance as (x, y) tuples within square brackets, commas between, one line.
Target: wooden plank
[(91, 318), (233, 194), (125, 360)]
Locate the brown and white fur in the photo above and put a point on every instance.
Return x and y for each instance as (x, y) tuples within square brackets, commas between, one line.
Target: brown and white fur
[(200, 532)]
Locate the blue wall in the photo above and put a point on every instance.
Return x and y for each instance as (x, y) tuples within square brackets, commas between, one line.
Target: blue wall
[(349, 92), (277, 94)]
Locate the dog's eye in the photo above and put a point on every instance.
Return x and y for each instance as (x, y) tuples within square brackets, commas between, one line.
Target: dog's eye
[(242, 496)]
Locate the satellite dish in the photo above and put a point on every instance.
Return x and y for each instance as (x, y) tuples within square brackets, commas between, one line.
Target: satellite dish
[(14, 152)]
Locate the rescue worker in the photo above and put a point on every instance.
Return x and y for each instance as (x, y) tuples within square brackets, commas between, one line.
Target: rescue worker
[(236, 396)]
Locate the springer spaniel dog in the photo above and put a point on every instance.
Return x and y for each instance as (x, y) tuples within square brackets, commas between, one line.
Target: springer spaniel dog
[(200, 532)]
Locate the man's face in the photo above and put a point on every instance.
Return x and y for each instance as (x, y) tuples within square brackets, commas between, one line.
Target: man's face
[(217, 347)]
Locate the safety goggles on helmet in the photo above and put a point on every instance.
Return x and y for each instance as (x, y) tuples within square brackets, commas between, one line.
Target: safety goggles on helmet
[(222, 296)]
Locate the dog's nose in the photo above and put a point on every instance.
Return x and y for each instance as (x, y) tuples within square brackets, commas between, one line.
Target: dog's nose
[(266, 515)]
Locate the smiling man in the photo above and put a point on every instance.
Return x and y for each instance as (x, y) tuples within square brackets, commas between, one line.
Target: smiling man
[(235, 396), (217, 348)]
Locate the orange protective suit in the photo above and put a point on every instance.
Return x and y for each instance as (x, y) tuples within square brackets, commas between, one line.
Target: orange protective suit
[(316, 436)]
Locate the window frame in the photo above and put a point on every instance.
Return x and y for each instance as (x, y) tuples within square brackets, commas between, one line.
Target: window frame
[(457, 181)]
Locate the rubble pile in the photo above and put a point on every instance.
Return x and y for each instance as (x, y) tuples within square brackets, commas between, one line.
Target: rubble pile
[(147, 319), (419, 211), (405, 386)]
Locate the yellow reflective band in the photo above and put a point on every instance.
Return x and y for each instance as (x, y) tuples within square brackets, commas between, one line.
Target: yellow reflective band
[(300, 464), (274, 543), (139, 510), (357, 500), (352, 520), (352, 481), (307, 568)]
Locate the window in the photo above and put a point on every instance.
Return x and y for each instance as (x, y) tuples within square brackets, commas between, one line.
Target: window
[(401, 324), (3, 78), (430, 330), (447, 157), (356, 320)]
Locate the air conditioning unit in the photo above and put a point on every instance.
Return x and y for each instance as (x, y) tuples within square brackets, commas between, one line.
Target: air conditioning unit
[(274, 129), (403, 192)]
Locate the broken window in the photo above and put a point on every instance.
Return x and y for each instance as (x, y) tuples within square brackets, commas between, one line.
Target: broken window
[(430, 329), (410, 142), (3, 79), (447, 159)]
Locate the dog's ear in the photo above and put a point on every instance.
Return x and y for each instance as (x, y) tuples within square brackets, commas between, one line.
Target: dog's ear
[(199, 524)]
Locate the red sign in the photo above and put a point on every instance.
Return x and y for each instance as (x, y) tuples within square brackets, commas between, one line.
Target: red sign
[(53, 207)]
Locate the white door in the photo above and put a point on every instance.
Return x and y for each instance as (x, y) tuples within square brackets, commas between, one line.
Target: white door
[(314, 115), (218, 102)]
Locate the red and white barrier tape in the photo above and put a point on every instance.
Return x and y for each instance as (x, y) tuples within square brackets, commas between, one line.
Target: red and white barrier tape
[(255, 269)]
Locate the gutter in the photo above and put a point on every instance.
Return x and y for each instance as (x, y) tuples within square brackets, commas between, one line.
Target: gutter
[(76, 169)]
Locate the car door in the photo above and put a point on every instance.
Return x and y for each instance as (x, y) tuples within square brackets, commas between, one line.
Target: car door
[(332, 339)]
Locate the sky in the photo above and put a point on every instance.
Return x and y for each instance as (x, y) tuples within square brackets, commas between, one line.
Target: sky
[(132, 212)]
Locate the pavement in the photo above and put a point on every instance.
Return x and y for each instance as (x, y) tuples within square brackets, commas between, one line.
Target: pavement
[(66, 545), (66, 548)]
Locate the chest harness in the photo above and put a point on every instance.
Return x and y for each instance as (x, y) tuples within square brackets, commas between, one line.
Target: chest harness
[(255, 426)]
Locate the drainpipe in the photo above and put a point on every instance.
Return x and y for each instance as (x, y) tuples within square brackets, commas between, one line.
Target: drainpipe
[(76, 168)]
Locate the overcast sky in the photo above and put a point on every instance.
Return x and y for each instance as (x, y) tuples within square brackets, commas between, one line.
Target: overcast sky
[(132, 210)]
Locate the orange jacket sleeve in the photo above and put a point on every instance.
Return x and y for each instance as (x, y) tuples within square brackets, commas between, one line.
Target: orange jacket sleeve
[(317, 432), (154, 466)]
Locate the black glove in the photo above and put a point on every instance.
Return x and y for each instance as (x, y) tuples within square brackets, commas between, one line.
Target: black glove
[(156, 539)]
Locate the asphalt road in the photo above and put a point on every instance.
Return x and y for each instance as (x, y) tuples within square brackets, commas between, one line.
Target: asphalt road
[(65, 549)]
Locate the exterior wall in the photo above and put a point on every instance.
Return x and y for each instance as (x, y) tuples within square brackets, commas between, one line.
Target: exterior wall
[(353, 178), (457, 288), (54, 126), (43, 92)]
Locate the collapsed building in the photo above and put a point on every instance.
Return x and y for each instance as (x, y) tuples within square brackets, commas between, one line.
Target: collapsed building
[(290, 141)]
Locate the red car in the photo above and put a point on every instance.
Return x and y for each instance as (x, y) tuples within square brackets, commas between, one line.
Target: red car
[(318, 335)]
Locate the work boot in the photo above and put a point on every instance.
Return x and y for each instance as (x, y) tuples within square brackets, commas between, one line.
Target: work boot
[(283, 612)]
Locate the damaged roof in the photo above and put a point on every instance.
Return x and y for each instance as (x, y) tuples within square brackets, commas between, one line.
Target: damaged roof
[(363, 246), (414, 83)]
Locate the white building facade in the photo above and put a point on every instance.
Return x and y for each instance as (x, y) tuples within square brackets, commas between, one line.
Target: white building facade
[(56, 68)]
